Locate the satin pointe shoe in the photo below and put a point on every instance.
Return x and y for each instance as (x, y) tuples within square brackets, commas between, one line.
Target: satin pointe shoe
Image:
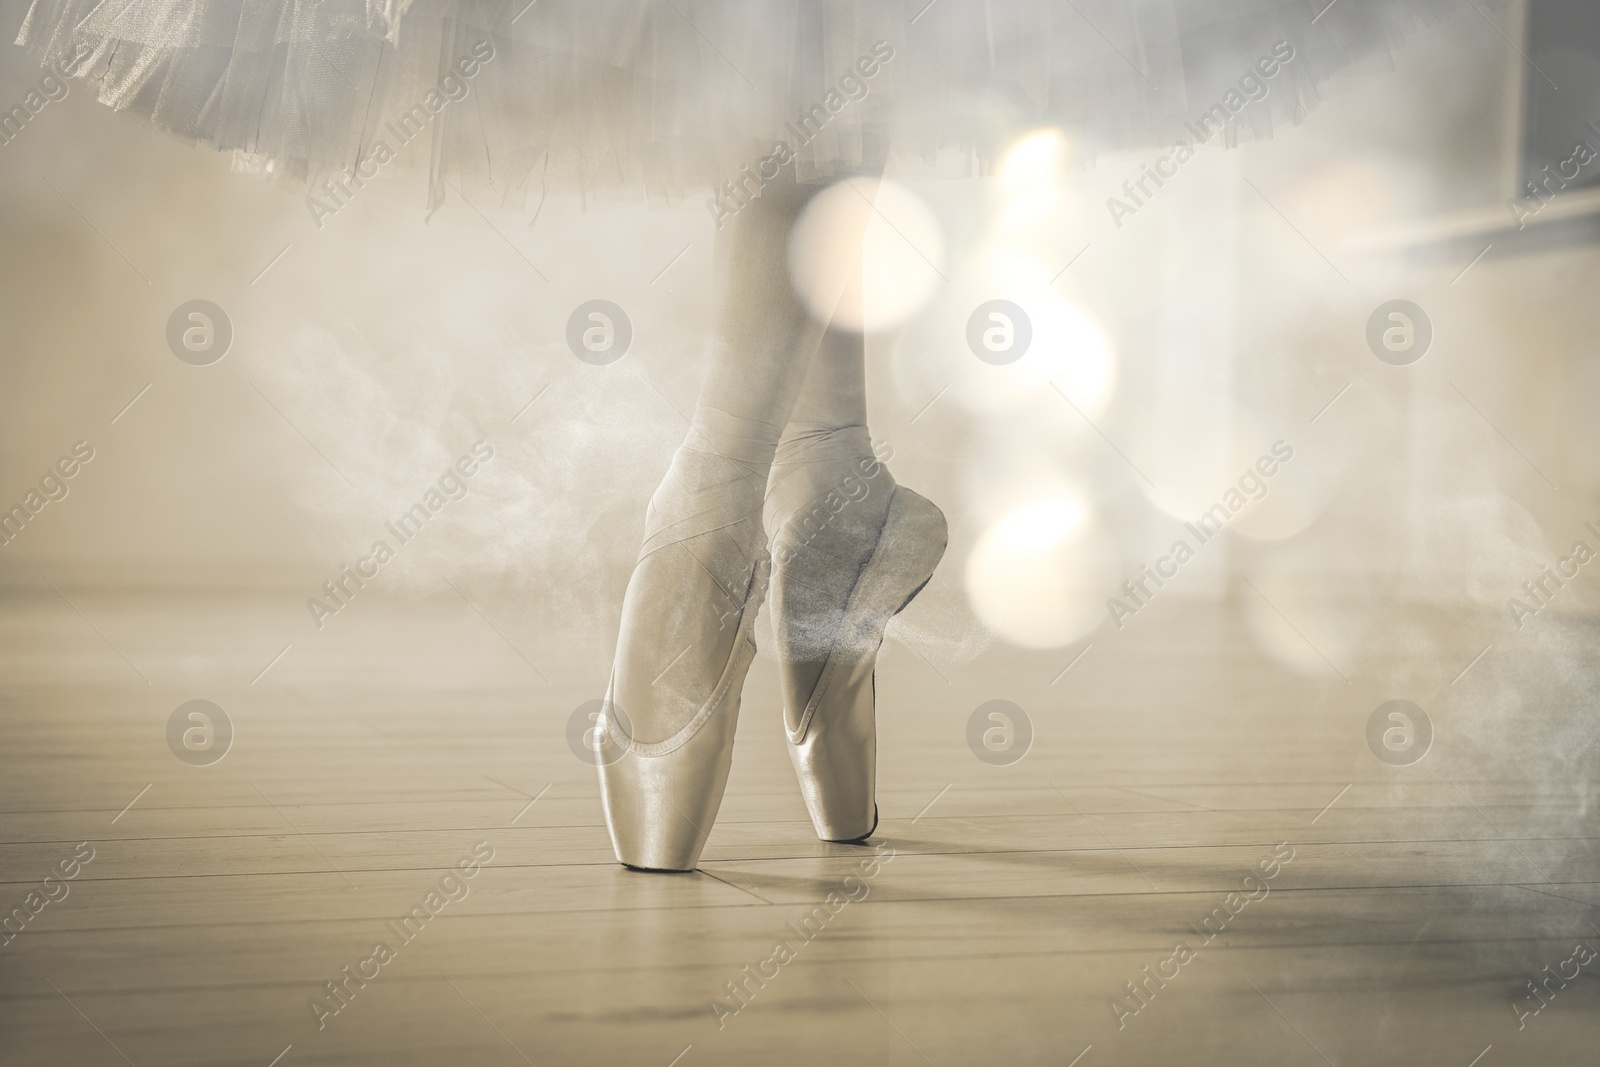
[(685, 644), (846, 560)]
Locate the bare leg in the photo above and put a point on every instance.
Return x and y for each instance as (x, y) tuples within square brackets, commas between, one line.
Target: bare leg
[(765, 338), (835, 390)]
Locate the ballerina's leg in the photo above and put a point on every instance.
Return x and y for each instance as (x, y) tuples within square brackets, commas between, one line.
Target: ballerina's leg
[(704, 536)]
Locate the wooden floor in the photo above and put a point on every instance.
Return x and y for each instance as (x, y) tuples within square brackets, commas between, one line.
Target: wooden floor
[(1168, 763)]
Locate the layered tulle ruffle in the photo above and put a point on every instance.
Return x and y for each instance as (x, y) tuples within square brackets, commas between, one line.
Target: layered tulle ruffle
[(672, 96)]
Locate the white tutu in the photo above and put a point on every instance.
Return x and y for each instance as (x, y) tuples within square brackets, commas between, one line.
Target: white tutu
[(671, 96)]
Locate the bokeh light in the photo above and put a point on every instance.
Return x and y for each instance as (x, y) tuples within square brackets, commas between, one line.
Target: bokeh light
[(1039, 577), (1034, 161), (1298, 614), (1031, 222), (879, 228), (1194, 451)]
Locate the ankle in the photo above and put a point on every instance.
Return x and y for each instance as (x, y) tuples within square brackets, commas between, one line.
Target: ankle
[(813, 457), (748, 443), (832, 467), (815, 444)]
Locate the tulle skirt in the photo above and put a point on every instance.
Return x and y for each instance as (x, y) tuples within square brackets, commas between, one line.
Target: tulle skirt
[(669, 97)]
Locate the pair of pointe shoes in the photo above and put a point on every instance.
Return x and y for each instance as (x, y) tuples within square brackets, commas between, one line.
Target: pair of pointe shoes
[(832, 596)]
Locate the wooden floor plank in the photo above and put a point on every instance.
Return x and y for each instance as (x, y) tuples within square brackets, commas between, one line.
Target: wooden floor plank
[(1019, 903)]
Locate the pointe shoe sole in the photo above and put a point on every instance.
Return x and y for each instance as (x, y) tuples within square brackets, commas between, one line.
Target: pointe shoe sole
[(660, 799), (834, 745)]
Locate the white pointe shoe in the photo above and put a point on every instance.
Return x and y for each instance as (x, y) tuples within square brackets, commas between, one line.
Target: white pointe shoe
[(661, 796), (833, 620)]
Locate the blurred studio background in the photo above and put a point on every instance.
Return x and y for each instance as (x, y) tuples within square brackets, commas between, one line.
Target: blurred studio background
[(1172, 346)]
